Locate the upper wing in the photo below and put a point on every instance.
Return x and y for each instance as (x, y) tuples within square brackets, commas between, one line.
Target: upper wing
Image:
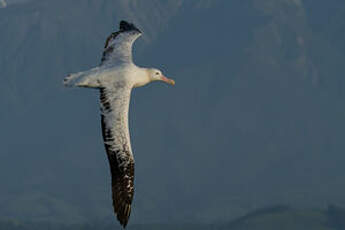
[(114, 109), (118, 46)]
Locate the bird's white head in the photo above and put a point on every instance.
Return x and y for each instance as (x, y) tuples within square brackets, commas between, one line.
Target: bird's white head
[(156, 75)]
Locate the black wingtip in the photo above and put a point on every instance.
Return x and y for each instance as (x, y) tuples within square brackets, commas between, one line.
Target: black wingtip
[(126, 26)]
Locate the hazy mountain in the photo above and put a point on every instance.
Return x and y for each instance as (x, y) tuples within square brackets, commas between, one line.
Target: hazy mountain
[(276, 217), (256, 117)]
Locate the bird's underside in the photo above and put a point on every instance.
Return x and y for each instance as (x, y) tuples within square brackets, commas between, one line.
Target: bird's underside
[(114, 78), (114, 103)]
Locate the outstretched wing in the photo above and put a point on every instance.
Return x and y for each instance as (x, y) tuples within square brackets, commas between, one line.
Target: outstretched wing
[(114, 109), (118, 46)]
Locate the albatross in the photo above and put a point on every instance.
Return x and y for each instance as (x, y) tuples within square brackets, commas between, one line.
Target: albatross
[(115, 78)]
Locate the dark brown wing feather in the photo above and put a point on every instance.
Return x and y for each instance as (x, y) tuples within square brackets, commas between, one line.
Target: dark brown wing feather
[(122, 177), (108, 49)]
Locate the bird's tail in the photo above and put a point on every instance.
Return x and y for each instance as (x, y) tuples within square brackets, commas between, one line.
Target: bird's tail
[(83, 79)]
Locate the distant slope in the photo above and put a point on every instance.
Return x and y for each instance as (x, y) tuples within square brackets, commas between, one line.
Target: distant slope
[(283, 218), (279, 217)]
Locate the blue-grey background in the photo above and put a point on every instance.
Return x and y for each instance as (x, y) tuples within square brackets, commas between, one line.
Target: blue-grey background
[(257, 116)]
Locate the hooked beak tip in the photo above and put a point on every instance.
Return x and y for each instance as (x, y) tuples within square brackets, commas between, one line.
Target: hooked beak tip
[(167, 80)]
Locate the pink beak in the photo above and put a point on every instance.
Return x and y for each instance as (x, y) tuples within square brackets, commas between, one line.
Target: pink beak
[(167, 80)]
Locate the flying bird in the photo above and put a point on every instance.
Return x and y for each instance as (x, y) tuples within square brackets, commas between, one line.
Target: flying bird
[(115, 78)]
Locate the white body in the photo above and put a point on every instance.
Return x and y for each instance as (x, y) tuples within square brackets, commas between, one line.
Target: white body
[(106, 76)]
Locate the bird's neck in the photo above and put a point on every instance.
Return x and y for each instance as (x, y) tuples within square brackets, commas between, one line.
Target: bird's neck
[(141, 77)]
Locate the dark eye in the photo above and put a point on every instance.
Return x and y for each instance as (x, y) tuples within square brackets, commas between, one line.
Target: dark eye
[(157, 73)]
